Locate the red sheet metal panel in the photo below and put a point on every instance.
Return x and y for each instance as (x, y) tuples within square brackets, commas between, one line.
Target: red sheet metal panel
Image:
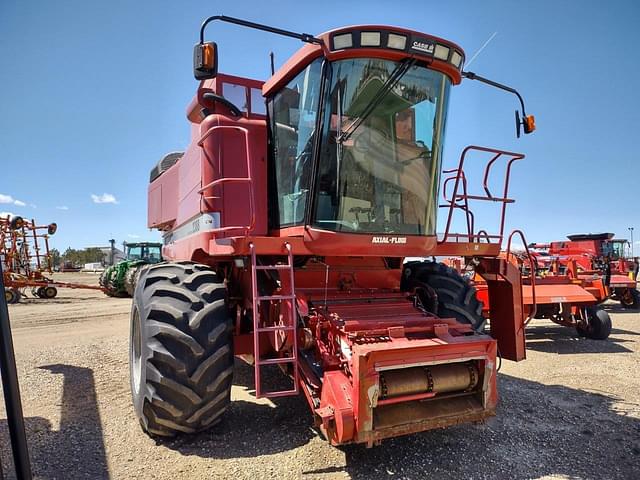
[(567, 293)]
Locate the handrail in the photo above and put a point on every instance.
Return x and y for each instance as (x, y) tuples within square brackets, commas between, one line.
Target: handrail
[(532, 272), (248, 179), (460, 181)]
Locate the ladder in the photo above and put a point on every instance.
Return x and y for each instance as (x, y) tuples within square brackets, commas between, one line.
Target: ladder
[(288, 301)]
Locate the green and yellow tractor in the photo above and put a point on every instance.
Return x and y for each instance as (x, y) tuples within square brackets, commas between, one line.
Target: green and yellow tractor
[(120, 279)]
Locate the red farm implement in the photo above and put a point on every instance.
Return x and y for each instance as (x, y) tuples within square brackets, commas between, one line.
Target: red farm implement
[(27, 262), (286, 223), (591, 257)]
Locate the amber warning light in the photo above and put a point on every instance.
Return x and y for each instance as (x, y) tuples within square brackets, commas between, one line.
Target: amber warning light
[(205, 60)]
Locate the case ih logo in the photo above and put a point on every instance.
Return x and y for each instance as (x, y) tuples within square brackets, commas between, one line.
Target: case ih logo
[(389, 240), (423, 46)]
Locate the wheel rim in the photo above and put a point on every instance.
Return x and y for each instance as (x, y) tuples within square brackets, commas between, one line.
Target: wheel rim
[(136, 352), (8, 296), (49, 292)]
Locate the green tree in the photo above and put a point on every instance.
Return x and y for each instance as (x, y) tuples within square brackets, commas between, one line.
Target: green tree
[(54, 254)]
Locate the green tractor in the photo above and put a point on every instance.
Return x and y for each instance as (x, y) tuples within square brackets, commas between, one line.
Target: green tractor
[(120, 279)]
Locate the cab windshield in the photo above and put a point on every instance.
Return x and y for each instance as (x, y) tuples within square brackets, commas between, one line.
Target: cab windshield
[(148, 253), (380, 161)]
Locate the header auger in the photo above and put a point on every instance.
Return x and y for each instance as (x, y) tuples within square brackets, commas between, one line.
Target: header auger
[(285, 224)]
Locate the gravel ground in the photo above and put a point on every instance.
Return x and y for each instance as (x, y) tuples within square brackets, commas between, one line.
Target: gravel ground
[(571, 410)]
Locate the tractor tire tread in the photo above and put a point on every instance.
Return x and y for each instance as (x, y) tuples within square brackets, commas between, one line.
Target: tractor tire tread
[(189, 365), (457, 298)]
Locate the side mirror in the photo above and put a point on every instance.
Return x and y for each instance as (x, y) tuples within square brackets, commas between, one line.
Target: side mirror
[(205, 60), (528, 123)]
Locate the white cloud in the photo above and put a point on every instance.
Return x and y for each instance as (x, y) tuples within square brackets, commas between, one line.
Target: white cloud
[(9, 199), (6, 214), (62, 207), (133, 235), (33, 205), (104, 198)]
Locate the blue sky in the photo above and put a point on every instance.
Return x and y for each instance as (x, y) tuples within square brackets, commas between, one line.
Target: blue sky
[(94, 93)]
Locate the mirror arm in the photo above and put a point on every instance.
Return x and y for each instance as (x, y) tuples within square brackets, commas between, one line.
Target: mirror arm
[(473, 76), (305, 37)]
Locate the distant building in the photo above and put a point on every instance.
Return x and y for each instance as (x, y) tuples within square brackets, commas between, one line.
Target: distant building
[(118, 254)]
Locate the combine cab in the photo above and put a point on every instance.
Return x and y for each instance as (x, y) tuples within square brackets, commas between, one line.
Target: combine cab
[(286, 223)]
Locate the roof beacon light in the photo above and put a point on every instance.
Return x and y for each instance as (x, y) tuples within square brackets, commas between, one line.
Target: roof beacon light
[(342, 41), (456, 59), (370, 39), (399, 42), (442, 52)]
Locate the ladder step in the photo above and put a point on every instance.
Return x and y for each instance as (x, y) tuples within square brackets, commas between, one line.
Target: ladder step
[(276, 328), (273, 267), (275, 361), (276, 297), (284, 393)]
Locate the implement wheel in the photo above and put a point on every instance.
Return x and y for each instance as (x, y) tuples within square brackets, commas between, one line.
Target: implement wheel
[(49, 292), (630, 298), (180, 355), (11, 295), (598, 324), (456, 298)]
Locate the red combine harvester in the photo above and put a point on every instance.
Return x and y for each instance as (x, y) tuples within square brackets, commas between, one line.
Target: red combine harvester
[(286, 227), (24, 253), (590, 253)]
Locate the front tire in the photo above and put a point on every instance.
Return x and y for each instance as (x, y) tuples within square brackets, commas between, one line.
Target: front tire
[(456, 298), (131, 279), (180, 358)]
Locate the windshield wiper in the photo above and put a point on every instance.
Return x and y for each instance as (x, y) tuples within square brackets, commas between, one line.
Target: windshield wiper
[(391, 82)]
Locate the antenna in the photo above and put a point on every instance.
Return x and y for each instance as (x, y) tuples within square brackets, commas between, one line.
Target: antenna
[(273, 68)]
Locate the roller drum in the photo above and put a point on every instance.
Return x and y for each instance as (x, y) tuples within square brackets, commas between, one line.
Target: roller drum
[(445, 378)]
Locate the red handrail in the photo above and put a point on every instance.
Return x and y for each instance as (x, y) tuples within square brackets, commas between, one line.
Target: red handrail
[(248, 179), (532, 272), (460, 178)]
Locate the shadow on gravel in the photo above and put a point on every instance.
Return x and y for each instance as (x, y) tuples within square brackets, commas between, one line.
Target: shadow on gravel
[(540, 430), (250, 429), (77, 449), (563, 340)]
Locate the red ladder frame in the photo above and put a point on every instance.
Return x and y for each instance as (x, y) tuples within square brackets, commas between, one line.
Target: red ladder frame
[(290, 301)]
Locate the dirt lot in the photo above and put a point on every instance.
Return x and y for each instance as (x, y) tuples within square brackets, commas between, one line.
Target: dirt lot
[(572, 410)]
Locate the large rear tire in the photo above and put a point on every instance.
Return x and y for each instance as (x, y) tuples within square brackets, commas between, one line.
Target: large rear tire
[(455, 296), (180, 356)]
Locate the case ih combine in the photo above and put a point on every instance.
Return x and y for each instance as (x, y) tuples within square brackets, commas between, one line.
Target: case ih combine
[(589, 254), (285, 229)]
